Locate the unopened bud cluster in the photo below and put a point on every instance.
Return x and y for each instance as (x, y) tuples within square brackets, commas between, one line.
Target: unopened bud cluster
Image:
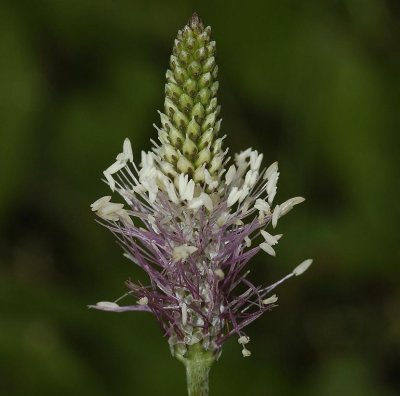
[(190, 123)]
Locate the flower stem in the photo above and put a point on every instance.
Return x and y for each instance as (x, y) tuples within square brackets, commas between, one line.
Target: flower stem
[(198, 363)]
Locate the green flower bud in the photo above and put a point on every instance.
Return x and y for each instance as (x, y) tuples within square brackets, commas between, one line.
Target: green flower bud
[(189, 148), (170, 77), (194, 68), (200, 54), (180, 74), (203, 157), (206, 139), (214, 88), (169, 153), (168, 169), (209, 121), (205, 80), (199, 175), (198, 111), (184, 57), (172, 90), (209, 64), (170, 107), (216, 163), (211, 47), (204, 96), (185, 102), (190, 87), (184, 165), (180, 120), (176, 137), (190, 122), (193, 129), (212, 105), (217, 146)]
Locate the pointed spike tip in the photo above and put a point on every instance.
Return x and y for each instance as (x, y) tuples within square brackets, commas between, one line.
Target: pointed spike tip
[(195, 21)]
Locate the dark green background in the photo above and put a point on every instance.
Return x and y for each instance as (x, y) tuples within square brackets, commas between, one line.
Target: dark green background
[(313, 84)]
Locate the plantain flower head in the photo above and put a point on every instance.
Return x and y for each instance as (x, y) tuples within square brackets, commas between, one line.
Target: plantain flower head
[(193, 217)]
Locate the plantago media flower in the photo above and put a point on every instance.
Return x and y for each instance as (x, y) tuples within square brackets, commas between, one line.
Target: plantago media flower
[(193, 217)]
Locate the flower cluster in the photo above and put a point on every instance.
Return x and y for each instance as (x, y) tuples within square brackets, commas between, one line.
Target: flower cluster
[(194, 217)]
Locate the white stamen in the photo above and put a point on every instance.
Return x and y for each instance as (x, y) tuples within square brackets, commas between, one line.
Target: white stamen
[(287, 206), (271, 300), (275, 216), (182, 252), (203, 200), (107, 305), (248, 241), (230, 175), (96, 205), (219, 273), (233, 197), (243, 340), (271, 196), (115, 167), (172, 193), (111, 181), (127, 150), (270, 170), (246, 352), (262, 206), (301, 268), (267, 248), (255, 160), (143, 301), (270, 239), (184, 314)]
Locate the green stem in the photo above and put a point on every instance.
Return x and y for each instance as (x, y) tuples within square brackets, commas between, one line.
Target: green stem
[(198, 363)]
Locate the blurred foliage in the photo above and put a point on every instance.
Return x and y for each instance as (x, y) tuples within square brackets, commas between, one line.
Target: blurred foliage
[(313, 84)]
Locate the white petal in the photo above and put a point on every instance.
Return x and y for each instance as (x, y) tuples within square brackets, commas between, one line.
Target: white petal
[(268, 249), (302, 267)]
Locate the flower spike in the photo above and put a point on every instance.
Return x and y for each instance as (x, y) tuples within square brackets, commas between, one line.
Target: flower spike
[(192, 218)]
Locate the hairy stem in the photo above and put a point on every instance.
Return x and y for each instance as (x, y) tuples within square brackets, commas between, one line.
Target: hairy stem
[(198, 363)]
